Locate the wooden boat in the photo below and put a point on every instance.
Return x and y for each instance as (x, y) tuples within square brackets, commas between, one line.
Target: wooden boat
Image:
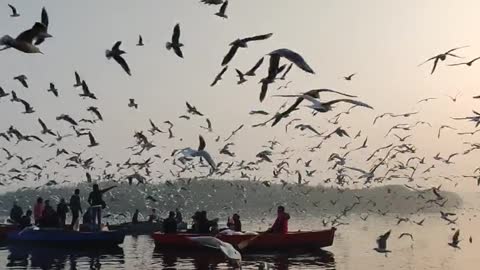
[(141, 228), (292, 241), (53, 236)]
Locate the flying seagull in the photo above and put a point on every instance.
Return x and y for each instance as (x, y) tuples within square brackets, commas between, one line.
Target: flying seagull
[(251, 72), (290, 55), (3, 93), (241, 77), (78, 80), (175, 43), (53, 89), (22, 79), (469, 63), (140, 40), (200, 152), (349, 77), (116, 54), (93, 142), (212, 2), (86, 91), (382, 243), (14, 11), (24, 41), (442, 57), (242, 43), (132, 104), (455, 240)]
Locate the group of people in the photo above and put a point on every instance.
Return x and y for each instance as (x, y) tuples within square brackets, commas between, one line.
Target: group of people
[(44, 215)]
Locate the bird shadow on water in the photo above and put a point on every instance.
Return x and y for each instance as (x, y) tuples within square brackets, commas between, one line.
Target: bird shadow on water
[(26, 256), (215, 260)]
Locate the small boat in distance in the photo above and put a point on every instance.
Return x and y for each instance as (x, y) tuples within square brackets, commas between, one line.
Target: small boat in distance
[(269, 242)]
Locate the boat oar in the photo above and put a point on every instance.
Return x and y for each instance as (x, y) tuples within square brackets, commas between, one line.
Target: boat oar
[(245, 243)]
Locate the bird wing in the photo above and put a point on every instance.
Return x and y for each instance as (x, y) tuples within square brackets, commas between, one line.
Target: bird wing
[(30, 34), (454, 49), (251, 72), (14, 10), (287, 70), (223, 8), (91, 138), (456, 236), (140, 39), (176, 33), (116, 46), (178, 51), (434, 65), (273, 66), (313, 100), (256, 38), (239, 73), (44, 19), (44, 127), (295, 58), (201, 144), (77, 78), (322, 90), (229, 56), (351, 101), (120, 60), (85, 89)]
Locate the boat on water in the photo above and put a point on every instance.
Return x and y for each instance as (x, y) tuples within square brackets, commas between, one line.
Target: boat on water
[(61, 237), (270, 242), (5, 229), (141, 228)]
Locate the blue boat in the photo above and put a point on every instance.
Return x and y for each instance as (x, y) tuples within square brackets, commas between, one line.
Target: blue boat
[(60, 237)]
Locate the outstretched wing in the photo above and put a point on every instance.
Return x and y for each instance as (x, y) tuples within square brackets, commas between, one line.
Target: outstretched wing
[(259, 37), (351, 101), (123, 63), (201, 144), (251, 72), (176, 33), (231, 53)]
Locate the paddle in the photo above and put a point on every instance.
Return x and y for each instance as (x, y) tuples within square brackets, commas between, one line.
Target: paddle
[(246, 243)]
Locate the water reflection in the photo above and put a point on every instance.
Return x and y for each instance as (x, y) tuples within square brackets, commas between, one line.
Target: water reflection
[(27, 256), (214, 260)]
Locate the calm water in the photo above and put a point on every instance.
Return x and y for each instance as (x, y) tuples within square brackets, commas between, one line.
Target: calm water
[(352, 249)]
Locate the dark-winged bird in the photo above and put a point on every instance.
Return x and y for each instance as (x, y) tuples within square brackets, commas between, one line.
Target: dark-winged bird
[(116, 54), (222, 12), (24, 41), (14, 11), (241, 43), (93, 142), (219, 76), (140, 40), (53, 89), (175, 42)]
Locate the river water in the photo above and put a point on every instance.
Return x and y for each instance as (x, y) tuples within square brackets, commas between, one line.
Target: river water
[(352, 249)]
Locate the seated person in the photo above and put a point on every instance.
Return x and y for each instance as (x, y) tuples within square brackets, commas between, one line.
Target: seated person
[(153, 216), (26, 220), (281, 223), (170, 224)]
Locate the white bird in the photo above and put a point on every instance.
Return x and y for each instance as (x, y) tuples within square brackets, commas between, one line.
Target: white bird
[(327, 106), (225, 248), (189, 152)]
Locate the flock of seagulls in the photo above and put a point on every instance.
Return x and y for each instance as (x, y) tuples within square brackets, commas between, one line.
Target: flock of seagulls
[(398, 159)]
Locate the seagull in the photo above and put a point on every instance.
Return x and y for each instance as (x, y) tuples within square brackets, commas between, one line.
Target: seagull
[(455, 240), (78, 80), (442, 57), (225, 248), (200, 152), (53, 89), (175, 43), (212, 2), (241, 77), (193, 110), (86, 91), (22, 79), (223, 9), (2, 93), (45, 129), (131, 103), (93, 142), (442, 127), (469, 63), (24, 41), (290, 55), (140, 40), (116, 54), (28, 108), (95, 111), (327, 106), (382, 243), (242, 43), (349, 77), (251, 72), (14, 11), (67, 118), (219, 76)]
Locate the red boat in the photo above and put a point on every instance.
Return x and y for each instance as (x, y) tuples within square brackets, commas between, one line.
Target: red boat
[(292, 241)]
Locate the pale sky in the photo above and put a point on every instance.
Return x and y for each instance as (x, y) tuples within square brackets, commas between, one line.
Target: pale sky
[(382, 41)]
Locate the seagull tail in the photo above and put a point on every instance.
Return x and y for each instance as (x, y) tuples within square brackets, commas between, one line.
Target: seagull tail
[(168, 45)]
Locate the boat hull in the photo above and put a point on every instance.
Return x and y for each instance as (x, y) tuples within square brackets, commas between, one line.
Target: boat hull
[(59, 237), (143, 228), (292, 241)]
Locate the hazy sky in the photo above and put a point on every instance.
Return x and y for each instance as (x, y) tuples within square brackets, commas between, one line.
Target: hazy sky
[(383, 41)]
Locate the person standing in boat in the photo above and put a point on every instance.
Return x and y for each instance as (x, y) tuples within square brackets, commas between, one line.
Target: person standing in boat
[(16, 213), (38, 210), (95, 199), (170, 223), (62, 210), (281, 223), (76, 208), (26, 220), (49, 216), (178, 216)]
